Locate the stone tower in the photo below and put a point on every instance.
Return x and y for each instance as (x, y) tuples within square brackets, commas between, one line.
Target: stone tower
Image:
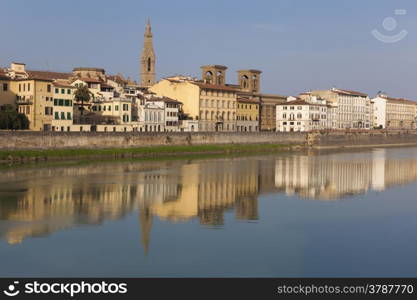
[(147, 59), (249, 80), (214, 74)]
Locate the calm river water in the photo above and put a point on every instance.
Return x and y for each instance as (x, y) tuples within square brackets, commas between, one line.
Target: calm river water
[(296, 214)]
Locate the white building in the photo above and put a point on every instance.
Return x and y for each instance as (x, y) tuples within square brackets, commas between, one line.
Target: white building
[(301, 115), (118, 109), (353, 108), (394, 113)]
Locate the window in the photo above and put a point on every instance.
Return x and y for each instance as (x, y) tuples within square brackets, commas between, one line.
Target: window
[(48, 88), (116, 108), (56, 102), (61, 102), (56, 91), (48, 110), (28, 87), (69, 116), (67, 103), (5, 87), (56, 115), (149, 64), (69, 92), (62, 116)]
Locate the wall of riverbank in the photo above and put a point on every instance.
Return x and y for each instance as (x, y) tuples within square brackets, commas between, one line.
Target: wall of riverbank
[(338, 139), (26, 140), (94, 140)]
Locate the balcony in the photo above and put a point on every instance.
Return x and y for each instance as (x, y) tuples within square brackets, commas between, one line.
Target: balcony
[(24, 100)]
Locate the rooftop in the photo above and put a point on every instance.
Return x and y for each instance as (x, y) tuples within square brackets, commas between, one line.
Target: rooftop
[(349, 93), (301, 102), (399, 100), (215, 87), (48, 75)]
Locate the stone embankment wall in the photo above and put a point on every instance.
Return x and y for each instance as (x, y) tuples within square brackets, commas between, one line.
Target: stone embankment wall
[(337, 139), (92, 140)]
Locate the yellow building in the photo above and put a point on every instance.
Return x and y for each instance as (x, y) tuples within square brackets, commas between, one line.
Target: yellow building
[(211, 102), (63, 105), (247, 115), (6, 94)]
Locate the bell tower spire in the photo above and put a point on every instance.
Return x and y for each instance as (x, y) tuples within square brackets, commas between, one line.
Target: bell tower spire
[(147, 60)]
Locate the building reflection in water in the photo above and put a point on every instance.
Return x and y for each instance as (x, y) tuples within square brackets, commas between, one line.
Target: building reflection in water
[(39, 201)]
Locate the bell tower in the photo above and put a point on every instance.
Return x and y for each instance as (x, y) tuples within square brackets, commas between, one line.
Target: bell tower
[(249, 80), (147, 59)]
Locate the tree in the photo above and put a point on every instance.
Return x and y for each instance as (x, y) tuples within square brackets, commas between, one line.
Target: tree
[(11, 119), (82, 94)]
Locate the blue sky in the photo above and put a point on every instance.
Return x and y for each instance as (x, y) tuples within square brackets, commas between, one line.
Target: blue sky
[(298, 44)]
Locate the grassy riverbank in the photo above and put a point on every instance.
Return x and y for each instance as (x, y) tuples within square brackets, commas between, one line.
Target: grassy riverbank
[(144, 152)]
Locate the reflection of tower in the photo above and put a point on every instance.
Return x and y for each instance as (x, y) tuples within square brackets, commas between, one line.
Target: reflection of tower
[(148, 58), (145, 219)]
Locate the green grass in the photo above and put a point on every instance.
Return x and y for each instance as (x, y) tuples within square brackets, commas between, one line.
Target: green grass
[(145, 152)]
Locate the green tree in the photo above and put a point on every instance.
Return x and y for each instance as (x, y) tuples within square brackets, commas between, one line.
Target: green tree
[(11, 119), (83, 95)]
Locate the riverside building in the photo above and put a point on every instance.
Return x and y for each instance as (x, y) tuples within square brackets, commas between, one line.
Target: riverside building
[(394, 113)]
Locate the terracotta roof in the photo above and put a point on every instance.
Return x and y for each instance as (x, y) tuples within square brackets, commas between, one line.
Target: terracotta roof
[(105, 85), (248, 100), (117, 78), (63, 85), (273, 96), (163, 99), (347, 92), (215, 87), (400, 100), (3, 75), (91, 80), (48, 75)]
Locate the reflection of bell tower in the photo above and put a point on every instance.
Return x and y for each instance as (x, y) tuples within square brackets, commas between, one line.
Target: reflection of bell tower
[(145, 219), (147, 60)]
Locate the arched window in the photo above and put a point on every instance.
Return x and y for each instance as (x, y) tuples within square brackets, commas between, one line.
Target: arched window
[(219, 78), (209, 77), (245, 81), (149, 64)]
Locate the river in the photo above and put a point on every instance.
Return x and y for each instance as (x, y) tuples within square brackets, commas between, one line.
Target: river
[(301, 214)]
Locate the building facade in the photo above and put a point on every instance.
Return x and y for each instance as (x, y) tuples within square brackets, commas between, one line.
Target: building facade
[(394, 113), (247, 119), (212, 105), (267, 111), (301, 115), (63, 109), (353, 108)]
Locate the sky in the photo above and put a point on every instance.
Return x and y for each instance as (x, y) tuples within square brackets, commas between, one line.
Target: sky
[(298, 44)]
